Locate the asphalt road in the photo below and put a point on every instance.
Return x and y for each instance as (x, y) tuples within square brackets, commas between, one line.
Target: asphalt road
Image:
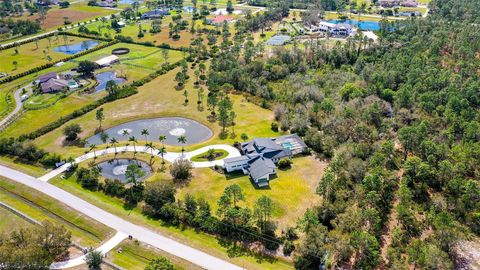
[(143, 234)]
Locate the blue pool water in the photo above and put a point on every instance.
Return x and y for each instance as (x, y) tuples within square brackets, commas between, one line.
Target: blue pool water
[(363, 25), (104, 77), (128, 2), (77, 47), (287, 145)]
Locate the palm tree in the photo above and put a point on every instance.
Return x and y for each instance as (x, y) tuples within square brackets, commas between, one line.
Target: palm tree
[(125, 133), (114, 142), (151, 147), (145, 133), (93, 147), (134, 141), (162, 139), (162, 152), (182, 139)]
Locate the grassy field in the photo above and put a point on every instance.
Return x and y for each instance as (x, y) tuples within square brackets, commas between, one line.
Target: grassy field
[(149, 60), (292, 191), (160, 98), (30, 56), (32, 170), (135, 256), (40, 207), (10, 221), (75, 13), (190, 237)]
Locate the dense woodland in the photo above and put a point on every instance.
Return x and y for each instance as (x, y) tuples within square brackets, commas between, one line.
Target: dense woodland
[(399, 122)]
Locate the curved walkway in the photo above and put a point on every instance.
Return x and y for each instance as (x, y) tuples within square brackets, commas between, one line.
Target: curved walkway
[(169, 156), (106, 247), (141, 233), (18, 107)]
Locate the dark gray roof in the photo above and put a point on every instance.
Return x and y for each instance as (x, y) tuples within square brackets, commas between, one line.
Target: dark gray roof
[(47, 76), (261, 167), (235, 159)]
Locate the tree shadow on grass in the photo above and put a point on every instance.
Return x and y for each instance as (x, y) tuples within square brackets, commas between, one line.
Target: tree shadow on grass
[(236, 249)]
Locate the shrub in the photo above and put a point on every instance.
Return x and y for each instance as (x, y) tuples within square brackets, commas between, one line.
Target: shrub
[(114, 188), (274, 126), (181, 169), (71, 132), (88, 178), (284, 163), (288, 248)]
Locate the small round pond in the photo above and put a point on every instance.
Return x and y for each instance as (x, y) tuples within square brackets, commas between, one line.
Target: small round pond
[(171, 127), (104, 77), (115, 169), (77, 47)]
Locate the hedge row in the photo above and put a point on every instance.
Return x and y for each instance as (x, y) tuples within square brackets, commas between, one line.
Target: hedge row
[(124, 92), (48, 65), (23, 42)]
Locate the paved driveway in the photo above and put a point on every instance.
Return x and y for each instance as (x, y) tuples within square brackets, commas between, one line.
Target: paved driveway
[(143, 234)]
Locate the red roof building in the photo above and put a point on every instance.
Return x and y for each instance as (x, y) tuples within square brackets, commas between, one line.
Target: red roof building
[(221, 18)]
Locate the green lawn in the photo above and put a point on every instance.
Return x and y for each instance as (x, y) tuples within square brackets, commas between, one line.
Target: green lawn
[(40, 207), (10, 221), (160, 98), (190, 237), (147, 60), (135, 256), (218, 154), (33, 170), (30, 56)]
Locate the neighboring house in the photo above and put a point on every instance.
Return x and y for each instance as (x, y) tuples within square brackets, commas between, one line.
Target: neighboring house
[(336, 30), (107, 3), (53, 82), (389, 3), (155, 14), (261, 154), (54, 85), (107, 61), (46, 3), (218, 20)]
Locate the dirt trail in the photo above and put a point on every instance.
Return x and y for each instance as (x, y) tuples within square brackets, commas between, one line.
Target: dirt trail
[(392, 222)]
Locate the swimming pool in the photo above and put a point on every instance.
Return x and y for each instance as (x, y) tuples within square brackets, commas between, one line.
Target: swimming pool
[(104, 77), (77, 47), (362, 25)]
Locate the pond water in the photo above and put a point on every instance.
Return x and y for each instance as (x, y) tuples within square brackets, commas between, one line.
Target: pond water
[(115, 169), (171, 127), (104, 77), (77, 47), (363, 25)]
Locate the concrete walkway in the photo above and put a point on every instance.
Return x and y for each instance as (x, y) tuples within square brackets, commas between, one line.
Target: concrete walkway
[(169, 156), (141, 233), (18, 107), (106, 247)]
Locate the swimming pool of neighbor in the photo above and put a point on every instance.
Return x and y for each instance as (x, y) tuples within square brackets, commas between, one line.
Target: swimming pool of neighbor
[(77, 47), (115, 169), (362, 25), (104, 77), (171, 127)]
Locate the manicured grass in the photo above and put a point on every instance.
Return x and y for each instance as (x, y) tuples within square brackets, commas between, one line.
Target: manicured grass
[(292, 191), (147, 62), (30, 56), (218, 154), (33, 170), (188, 236), (41, 207), (135, 256), (10, 221), (160, 98)]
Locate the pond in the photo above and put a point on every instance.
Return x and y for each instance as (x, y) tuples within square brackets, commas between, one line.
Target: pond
[(128, 2), (115, 169), (104, 77), (171, 127), (77, 47), (362, 25)]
